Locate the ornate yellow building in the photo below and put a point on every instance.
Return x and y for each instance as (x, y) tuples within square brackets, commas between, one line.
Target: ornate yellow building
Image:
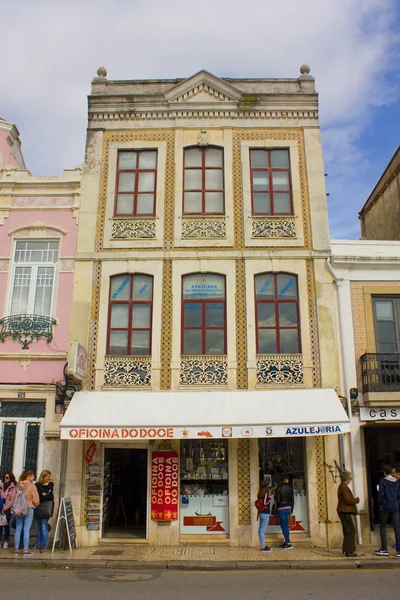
[(208, 312)]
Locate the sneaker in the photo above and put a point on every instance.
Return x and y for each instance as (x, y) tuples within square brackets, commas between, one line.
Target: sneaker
[(5, 545), (16, 553), (286, 546), (266, 549), (351, 554), (397, 554), (381, 552), (27, 553)]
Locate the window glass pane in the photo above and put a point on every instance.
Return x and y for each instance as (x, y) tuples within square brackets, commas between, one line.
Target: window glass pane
[(141, 316), (147, 160), (22, 280), (280, 159), (192, 202), (214, 179), (119, 316), (287, 314), (282, 203), (214, 202), (36, 251), (386, 331), (261, 204), (203, 285), (127, 160), (266, 314), (142, 287), (125, 204), (120, 287), (215, 314), (387, 348), (213, 157), (215, 341), (287, 286), (145, 204), (126, 182), (118, 343), (193, 157), (384, 310), (259, 159), (260, 181), (289, 341), (140, 343), (44, 290), (265, 286), (280, 180), (192, 314), (193, 179), (266, 341), (146, 182), (192, 341)]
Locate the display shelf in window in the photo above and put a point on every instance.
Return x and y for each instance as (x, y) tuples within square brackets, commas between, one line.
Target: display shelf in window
[(93, 495)]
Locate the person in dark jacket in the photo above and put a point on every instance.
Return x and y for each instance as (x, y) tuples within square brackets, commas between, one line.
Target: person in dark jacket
[(45, 509), (346, 509), (388, 506), (7, 490), (284, 500)]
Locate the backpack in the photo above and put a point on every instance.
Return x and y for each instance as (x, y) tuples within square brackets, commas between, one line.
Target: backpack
[(20, 506), (262, 503)]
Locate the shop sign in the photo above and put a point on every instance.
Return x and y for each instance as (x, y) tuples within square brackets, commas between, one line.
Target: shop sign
[(379, 414), (164, 486), (77, 361)]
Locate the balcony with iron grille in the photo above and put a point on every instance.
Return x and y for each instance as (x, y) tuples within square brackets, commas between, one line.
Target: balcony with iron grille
[(380, 377), (26, 329)]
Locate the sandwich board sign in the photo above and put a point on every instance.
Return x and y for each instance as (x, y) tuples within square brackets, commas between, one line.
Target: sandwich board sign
[(65, 521)]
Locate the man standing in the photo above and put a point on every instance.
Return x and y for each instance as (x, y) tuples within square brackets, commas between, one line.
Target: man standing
[(388, 506)]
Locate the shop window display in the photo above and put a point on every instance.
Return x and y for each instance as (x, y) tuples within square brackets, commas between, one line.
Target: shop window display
[(279, 456), (204, 505)]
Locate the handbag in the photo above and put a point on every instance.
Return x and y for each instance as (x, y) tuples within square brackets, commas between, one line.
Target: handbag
[(274, 510), (44, 510), (3, 519)]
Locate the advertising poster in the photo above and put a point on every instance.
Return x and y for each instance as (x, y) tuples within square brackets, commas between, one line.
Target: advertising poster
[(164, 486)]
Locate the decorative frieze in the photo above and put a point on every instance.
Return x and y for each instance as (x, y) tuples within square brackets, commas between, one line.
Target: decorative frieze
[(204, 370), (133, 229), (203, 228), (127, 370), (279, 369), (273, 227), (203, 114), (42, 201)]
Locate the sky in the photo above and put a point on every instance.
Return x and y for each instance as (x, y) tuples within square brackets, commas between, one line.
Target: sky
[(51, 50)]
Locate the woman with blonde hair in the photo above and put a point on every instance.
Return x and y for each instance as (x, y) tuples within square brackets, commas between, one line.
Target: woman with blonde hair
[(24, 521), (44, 511), (346, 509)]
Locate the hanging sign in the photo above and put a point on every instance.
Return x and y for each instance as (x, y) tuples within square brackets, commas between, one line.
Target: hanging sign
[(65, 523), (90, 453), (164, 486)]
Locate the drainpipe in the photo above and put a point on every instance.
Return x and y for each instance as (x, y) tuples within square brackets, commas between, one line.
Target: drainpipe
[(345, 386)]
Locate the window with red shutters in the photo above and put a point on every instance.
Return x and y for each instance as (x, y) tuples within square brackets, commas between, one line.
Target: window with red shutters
[(136, 183), (203, 181), (271, 186)]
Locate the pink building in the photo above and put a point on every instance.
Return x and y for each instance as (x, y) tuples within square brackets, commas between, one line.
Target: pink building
[(38, 231)]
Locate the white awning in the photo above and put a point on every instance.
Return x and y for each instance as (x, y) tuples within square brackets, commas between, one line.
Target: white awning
[(128, 416)]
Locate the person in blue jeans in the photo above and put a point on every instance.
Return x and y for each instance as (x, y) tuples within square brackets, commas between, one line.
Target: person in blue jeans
[(44, 511), (284, 500), (27, 487), (264, 514)]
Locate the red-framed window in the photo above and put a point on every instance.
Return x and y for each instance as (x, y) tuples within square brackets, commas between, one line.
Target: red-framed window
[(271, 186), (130, 315), (203, 181), (136, 183), (277, 314), (203, 314)]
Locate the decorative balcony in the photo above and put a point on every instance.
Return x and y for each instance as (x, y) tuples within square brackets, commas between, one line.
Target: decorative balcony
[(204, 370), (203, 228), (131, 229), (127, 371), (26, 328), (279, 369), (380, 373), (273, 227)]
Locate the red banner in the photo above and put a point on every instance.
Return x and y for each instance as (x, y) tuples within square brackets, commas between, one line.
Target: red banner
[(164, 486)]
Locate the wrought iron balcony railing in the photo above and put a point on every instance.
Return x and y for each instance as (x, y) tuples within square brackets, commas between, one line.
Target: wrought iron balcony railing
[(26, 328), (380, 373)]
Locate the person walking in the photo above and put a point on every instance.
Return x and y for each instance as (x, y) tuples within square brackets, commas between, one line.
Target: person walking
[(263, 504), (27, 487), (388, 506), (284, 501), (44, 511), (7, 493), (346, 509)]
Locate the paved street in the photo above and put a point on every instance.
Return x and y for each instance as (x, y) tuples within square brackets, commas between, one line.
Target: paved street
[(279, 585)]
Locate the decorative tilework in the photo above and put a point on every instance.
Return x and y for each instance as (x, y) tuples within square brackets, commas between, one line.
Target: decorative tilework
[(166, 326), (243, 466), (321, 477), (90, 382), (241, 328)]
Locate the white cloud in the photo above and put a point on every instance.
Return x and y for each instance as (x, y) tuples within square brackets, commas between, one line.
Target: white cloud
[(53, 50)]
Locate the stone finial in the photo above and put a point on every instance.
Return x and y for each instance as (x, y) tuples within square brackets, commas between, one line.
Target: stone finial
[(305, 70), (102, 72)]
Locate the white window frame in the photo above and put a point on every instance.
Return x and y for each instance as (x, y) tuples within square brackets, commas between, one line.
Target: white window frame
[(20, 442)]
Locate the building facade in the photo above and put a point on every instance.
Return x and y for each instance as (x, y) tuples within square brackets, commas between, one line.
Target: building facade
[(203, 298)]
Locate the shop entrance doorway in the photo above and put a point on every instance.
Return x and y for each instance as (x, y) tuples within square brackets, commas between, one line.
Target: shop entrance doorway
[(125, 493), (382, 447)]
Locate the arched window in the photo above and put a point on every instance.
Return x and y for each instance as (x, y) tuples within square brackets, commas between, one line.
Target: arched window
[(203, 181), (130, 315), (203, 314), (277, 314), (271, 186)]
